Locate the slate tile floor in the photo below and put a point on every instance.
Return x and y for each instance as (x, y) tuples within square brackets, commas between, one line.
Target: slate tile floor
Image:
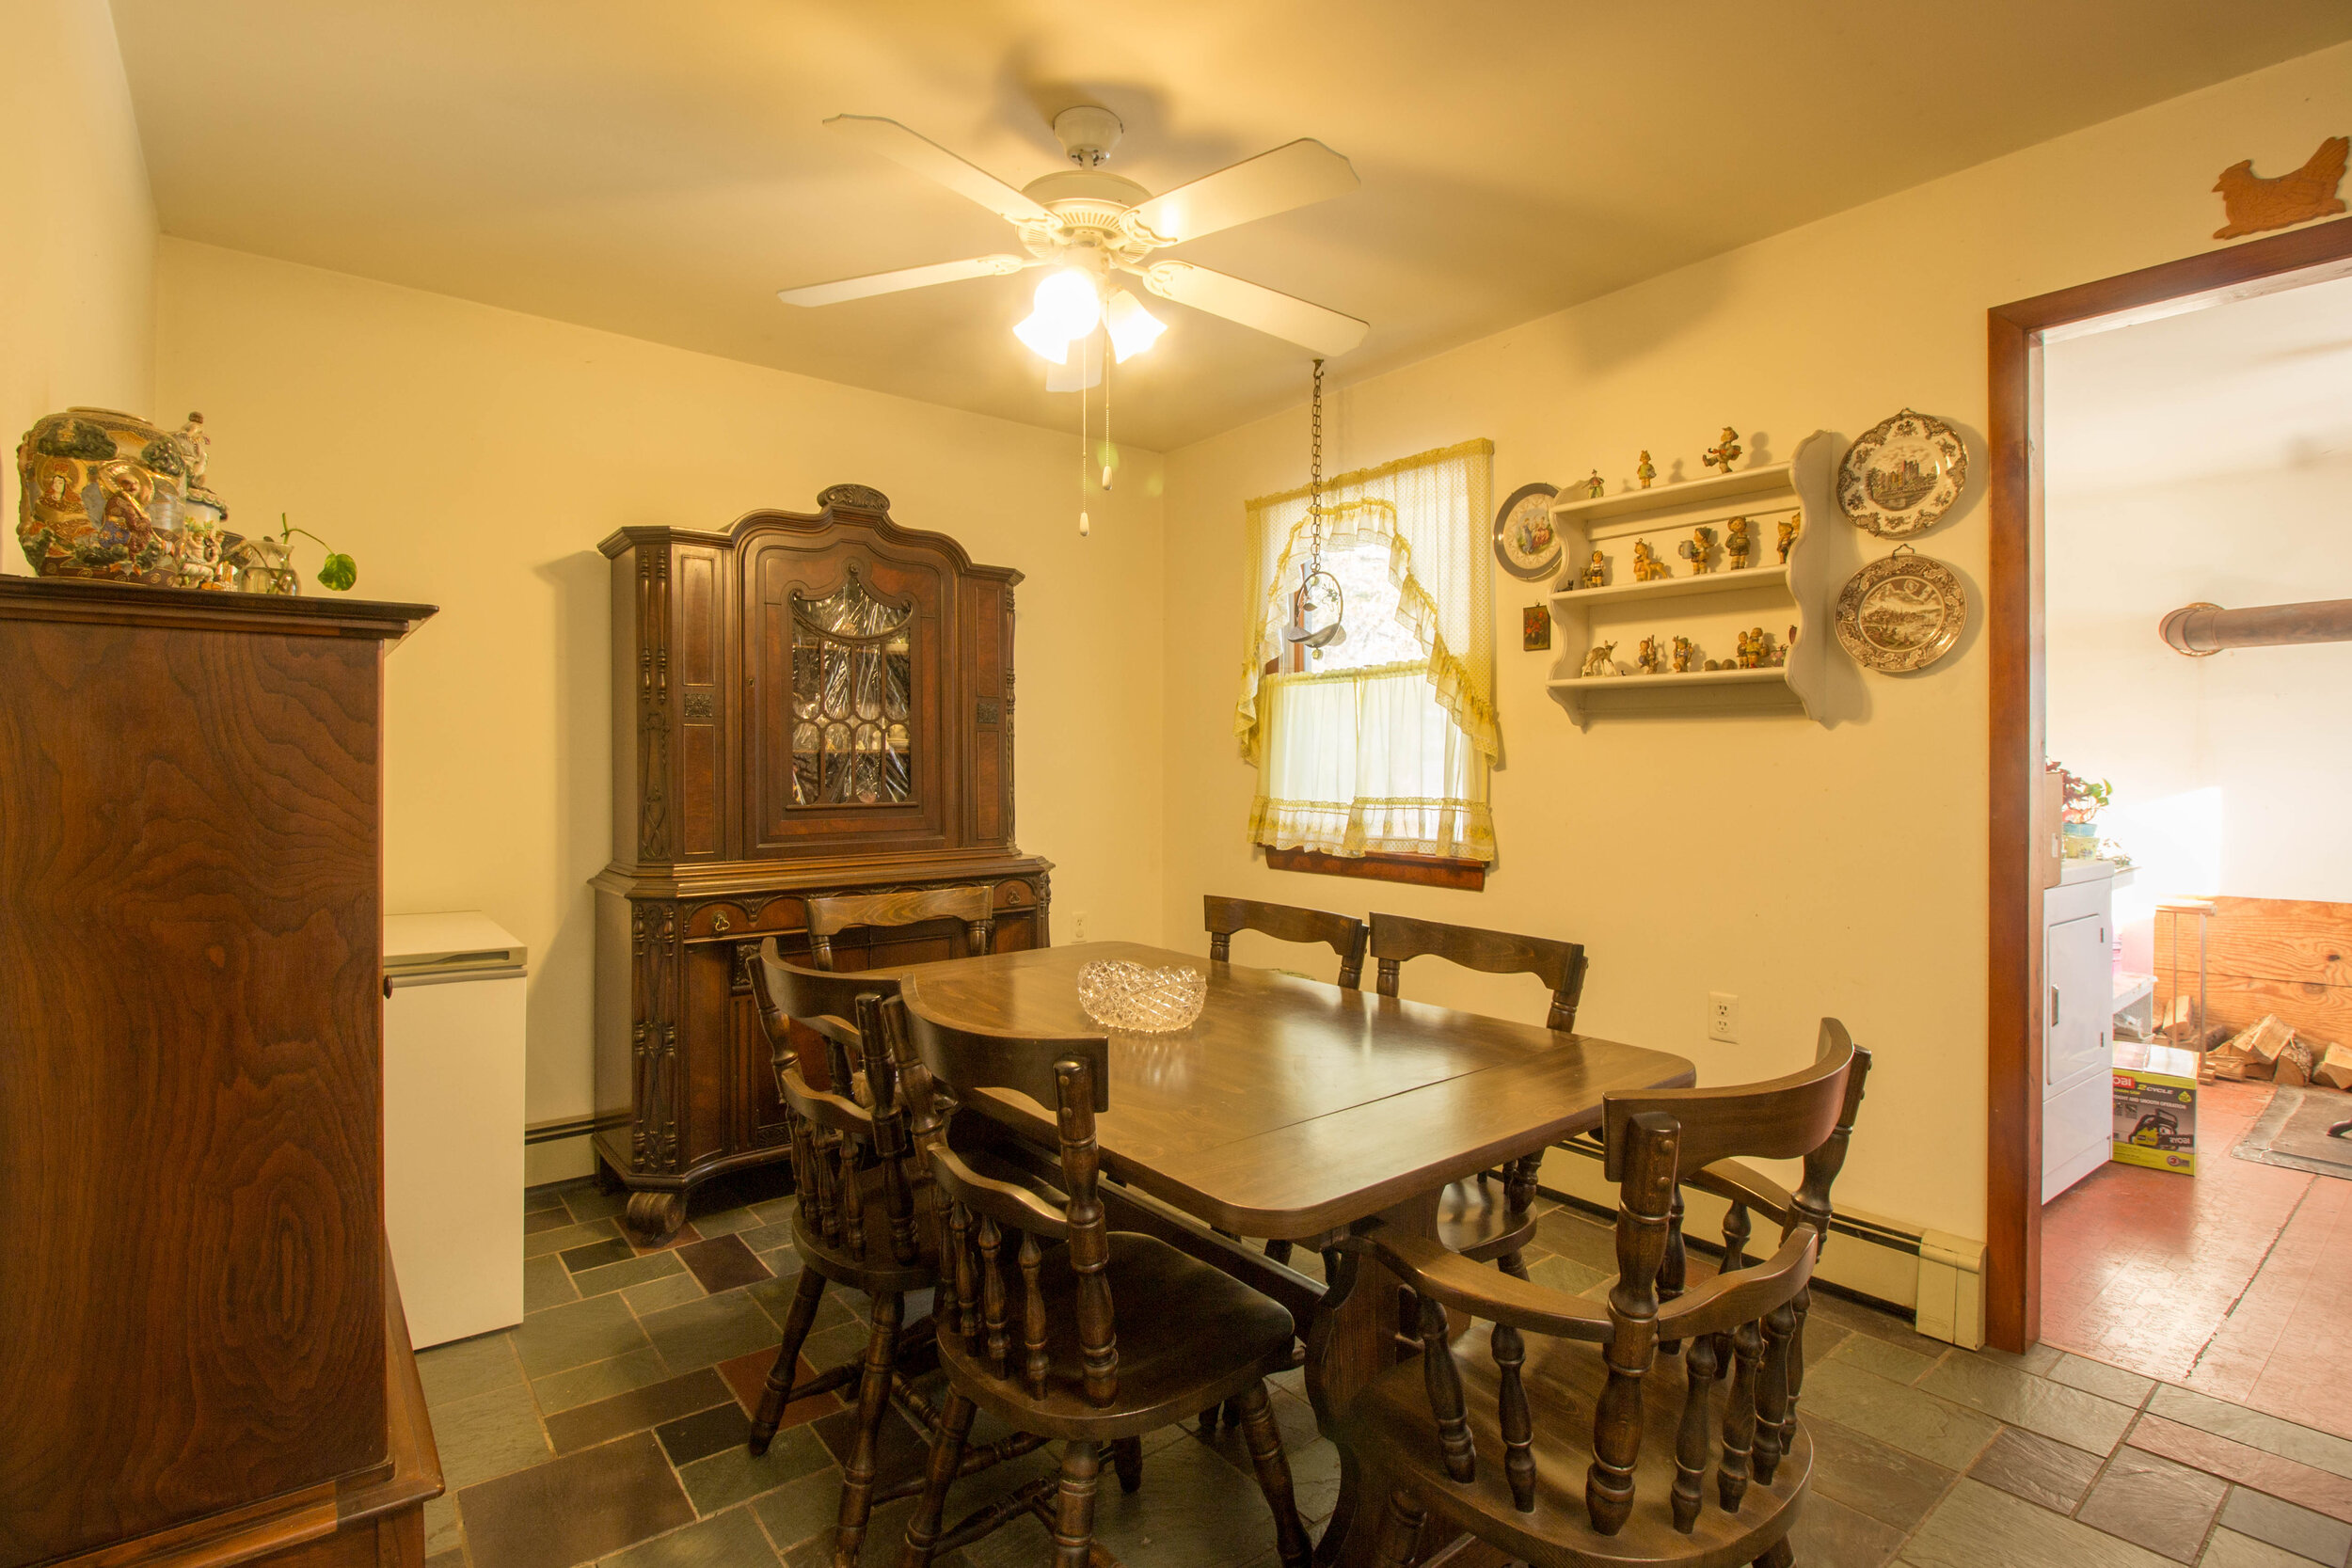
[(609, 1427)]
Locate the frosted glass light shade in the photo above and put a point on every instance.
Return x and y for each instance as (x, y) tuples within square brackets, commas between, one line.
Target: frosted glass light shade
[(1133, 329), (1044, 340), (1068, 304)]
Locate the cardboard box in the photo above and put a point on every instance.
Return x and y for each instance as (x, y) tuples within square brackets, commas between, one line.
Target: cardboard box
[(2155, 1107)]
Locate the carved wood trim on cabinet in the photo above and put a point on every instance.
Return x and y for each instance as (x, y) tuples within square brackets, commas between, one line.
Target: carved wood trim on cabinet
[(715, 842)]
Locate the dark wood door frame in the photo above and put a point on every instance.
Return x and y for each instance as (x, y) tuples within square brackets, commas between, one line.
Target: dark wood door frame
[(2013, 630)]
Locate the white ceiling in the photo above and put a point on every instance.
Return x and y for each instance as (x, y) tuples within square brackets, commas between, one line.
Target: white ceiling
[(658, 170), (2247, 386)]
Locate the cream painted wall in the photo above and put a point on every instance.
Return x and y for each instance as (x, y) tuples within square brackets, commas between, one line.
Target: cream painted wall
[(472, 458), (1806, 869), (77, 264)]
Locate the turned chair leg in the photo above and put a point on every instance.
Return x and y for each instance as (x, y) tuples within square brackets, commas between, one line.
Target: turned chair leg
[(806, 1296), (955, 1425), (1127, 1454), (1400, 1531), (873, 1403), (1778, 1555), (1264, 1438), (1073, 1503)]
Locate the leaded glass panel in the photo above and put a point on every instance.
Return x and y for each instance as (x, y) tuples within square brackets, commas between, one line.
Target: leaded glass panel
[(852, 671)]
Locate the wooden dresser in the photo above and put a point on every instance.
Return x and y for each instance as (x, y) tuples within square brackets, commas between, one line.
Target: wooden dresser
[(801, 704), (201, 1350)]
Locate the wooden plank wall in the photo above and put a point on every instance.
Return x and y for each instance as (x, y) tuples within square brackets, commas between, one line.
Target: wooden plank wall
[(2289, 956)]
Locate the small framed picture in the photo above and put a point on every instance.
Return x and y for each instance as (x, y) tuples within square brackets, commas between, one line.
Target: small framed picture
[(1535, 629)]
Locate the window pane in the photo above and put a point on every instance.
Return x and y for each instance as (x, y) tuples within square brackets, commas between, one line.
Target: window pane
[(1374, 635)]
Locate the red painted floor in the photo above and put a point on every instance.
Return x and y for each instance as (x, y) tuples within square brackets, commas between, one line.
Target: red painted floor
[(2237, 1281)]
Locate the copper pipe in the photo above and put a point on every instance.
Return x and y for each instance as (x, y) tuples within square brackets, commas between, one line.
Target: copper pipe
[(2201, 629)]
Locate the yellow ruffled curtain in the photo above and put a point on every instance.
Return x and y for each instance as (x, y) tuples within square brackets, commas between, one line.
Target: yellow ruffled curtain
[(1387, 757)]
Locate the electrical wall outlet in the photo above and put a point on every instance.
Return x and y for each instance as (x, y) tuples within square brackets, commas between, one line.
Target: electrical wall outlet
[(1078, 926), (1723, 1016)]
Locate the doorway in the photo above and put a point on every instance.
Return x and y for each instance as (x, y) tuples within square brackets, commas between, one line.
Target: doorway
[(2025, 884)]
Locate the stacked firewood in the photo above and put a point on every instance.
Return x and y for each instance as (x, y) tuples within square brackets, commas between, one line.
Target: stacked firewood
[(2271, 1050)]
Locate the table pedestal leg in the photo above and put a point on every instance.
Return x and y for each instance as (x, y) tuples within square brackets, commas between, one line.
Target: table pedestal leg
[(1351, 1341)]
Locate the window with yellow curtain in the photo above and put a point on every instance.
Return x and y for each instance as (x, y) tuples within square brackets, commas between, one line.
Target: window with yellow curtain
[(1381, 744)]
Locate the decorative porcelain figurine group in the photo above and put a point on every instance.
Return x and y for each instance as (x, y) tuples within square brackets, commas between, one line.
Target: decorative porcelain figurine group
[(1756, 648), (107, 495), (1723, 454), (1756, 651), (1699, 550)]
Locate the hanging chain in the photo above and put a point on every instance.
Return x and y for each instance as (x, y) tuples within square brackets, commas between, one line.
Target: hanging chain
[(1314, 481)]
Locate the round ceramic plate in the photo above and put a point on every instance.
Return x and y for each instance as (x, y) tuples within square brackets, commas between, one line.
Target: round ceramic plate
[(1900, 614), (1525, 541), (1903, 475)]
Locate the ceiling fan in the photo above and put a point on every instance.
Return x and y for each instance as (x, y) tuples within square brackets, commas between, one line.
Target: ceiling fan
[(1087, 225)]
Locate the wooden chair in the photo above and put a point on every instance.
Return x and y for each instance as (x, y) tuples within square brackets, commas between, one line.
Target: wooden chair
[(1481, 1219), (1343, 934), (830, 915), (1558, 964), (865, 1218), (1495, 1439), (1065, 1363)]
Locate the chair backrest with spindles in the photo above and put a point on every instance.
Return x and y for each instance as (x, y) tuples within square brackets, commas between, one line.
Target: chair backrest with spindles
[(1748, 1320), (990, 1204), (972, 907), (1343, 934), (833, 1134), (1558, 964)]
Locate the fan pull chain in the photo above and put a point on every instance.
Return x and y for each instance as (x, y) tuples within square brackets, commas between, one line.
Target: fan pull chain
[(1107, 449), (1083, 529)]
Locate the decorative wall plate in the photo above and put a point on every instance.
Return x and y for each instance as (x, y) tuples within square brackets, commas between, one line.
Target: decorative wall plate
[(1525, 541), (1902, 613), (1902, 474)]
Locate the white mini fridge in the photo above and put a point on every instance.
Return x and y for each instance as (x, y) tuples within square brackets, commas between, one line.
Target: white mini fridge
[(454, 987)]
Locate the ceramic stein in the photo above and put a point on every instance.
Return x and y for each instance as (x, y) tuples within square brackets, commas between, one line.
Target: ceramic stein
[(101, 494)]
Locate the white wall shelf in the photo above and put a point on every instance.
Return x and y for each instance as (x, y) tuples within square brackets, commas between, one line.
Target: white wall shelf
[(1669, 680), (1774, 575), (1714, 490), (1710, 607)]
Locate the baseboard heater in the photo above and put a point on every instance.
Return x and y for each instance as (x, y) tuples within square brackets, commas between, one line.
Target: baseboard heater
[(556, 1131), (1931, 1280)]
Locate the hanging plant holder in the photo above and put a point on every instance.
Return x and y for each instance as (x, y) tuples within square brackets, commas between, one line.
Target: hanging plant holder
[(1316, 587), (1311, 597)]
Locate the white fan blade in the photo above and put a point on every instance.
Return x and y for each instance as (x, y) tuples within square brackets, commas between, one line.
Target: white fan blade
[(1281, 315), (933, 161), (1305, 171), (905, 278)]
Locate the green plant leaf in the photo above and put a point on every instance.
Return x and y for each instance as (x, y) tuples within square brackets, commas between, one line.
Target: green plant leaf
[(339, 572)]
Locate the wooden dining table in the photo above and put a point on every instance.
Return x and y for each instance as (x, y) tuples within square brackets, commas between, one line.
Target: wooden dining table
[(1291, 1109)]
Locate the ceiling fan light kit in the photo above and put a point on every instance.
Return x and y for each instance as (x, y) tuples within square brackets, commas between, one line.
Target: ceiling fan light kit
[(1087, 224), (1133, 329)]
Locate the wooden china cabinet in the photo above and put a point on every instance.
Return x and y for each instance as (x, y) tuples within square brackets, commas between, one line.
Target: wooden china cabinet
[(801, 704)]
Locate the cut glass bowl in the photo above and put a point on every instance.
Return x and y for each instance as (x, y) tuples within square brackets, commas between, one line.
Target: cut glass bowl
[(1117, 994)]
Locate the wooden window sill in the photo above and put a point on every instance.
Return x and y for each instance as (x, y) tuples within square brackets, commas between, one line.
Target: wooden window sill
[(1420, 870)]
